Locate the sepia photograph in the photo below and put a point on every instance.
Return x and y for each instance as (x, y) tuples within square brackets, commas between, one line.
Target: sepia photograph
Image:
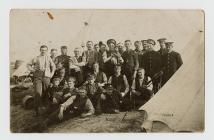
[(107, 71)]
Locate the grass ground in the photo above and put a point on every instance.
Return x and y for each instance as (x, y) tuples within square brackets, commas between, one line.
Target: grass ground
[(22, 120)]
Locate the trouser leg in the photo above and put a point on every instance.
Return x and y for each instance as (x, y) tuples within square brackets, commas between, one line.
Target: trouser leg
[(45, 85), (37, 93)]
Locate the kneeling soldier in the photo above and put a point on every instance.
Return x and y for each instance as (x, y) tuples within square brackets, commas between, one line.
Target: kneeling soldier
[(111, 99), (141, 89)]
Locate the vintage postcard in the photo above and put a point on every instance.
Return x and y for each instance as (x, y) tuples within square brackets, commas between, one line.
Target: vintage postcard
[(106, 71)]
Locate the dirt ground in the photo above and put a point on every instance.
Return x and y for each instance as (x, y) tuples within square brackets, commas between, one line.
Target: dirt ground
[(23, 120)]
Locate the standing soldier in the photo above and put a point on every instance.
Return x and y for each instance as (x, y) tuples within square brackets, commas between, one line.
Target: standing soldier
[(91, 57), (109, 66), (43, 68), (152, 64), (171, 62), (131, 64), (139, 51), (162, 50), (63, 59), (145, 46)]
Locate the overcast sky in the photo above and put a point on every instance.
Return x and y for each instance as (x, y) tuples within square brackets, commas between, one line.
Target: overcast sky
[(31, 28)]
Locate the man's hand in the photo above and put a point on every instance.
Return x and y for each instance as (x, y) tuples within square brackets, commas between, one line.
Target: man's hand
[(60, 115), (100, 85), (122, 94), (67, 95)]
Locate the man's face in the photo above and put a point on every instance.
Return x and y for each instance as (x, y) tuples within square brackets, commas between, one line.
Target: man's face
[(141, 74), (96, 67), (56, 83), (127, 45), (71, 84), (169, 48), (64, 51), (76, 52), (102, 48), (62, 73), (89, 45), (96, 48), (43, 51), (117, 70), (54, 53), (138, 46), (145, 46), (91, 80), (162, 45), (82, 94), (111, 46)]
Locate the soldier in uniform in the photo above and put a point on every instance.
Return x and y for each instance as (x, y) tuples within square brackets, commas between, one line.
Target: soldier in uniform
[(139, 51), (151, 62), (145, 46), (76, 64), (162, 49), (91, 57), (171, 62), (109, 66), (43, 69), (131, 64), (63, 59)]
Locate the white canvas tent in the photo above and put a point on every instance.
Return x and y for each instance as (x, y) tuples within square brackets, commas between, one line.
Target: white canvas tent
[(180, 105)]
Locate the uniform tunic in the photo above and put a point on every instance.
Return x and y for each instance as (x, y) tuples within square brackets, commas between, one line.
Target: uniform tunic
[(151, 62), (171, 63)]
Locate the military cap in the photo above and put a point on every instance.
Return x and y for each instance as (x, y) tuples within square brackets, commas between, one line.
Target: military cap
[(141, 69), (111, 41), (151, 41), (63, 47), (169, 43), (161, 40)]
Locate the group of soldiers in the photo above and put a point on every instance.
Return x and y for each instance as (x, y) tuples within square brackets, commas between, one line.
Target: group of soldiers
[(100, 78)]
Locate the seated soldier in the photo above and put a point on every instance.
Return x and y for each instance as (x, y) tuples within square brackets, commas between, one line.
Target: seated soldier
[(110, 99), (141, 89), (58, 95), (120, 83), (70, 90), (100, 77), (55, 94), (77, 105), (93, 92), (76, 64)]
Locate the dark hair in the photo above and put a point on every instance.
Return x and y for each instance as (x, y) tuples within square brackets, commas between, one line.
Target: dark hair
[(53, 50), (136, 42), (43, 46), (89, 42), (63, 47), (128, 41)]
